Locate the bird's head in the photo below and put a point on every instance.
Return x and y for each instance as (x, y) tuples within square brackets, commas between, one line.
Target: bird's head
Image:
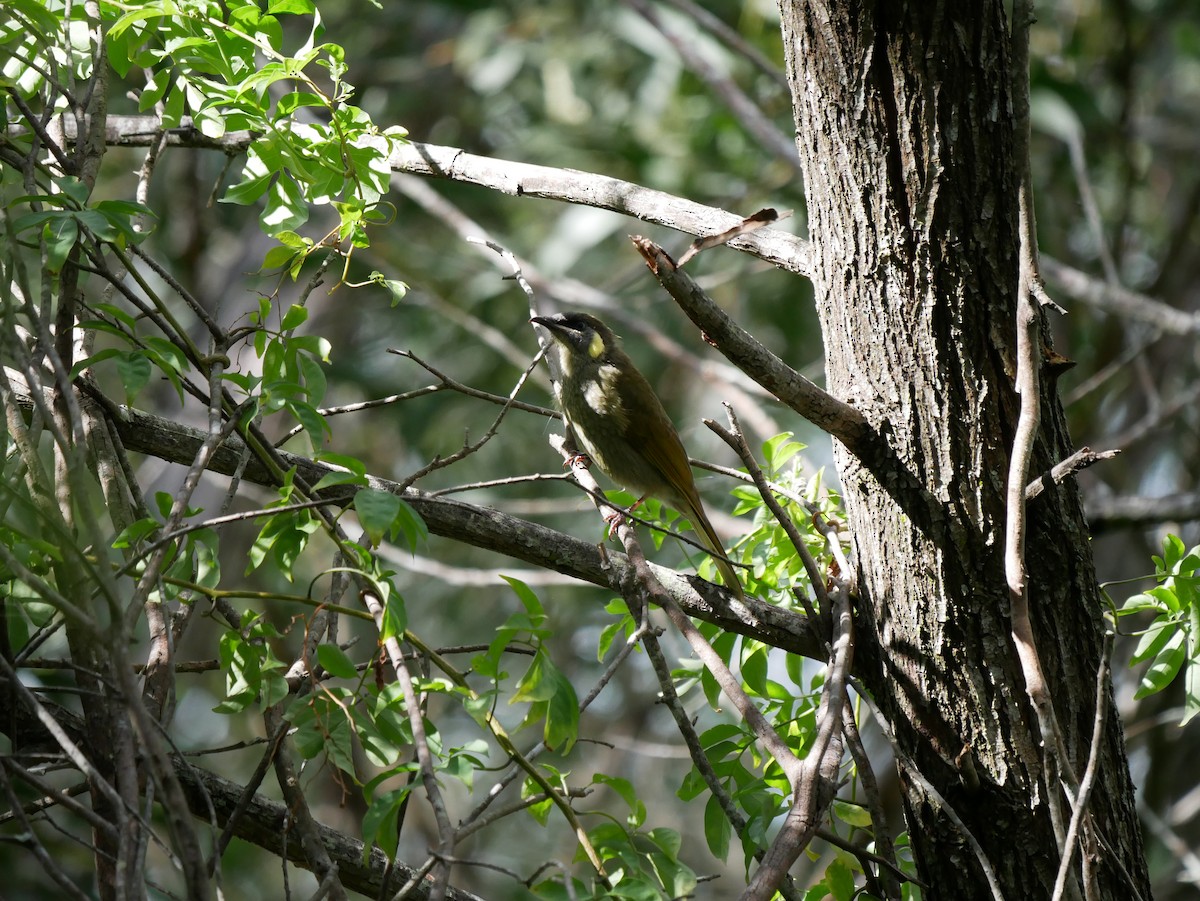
[(580, 334)]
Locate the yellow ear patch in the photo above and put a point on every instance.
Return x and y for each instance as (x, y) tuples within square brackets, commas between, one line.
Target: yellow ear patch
[(596, 347)]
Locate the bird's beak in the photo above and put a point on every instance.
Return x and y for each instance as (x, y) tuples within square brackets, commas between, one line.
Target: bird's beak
[(550, 322)]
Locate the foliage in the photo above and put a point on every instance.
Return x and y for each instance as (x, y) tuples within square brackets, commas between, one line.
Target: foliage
[(221, 69), (1172, 640), (312, 173)]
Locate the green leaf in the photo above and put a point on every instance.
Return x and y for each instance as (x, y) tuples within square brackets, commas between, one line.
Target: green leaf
[(60, 233), (1154, 639), (338, 478), (537, 684), (294, 317), (1191, 690), (291, 7), (1165, 667), (289, 103), (376, 511), (668, 840), (852, 814), (107, 354), (286, 208), (281, 257), (778, 450), (754, 670), (135, 532), (336, 662), (1173, 552), (607, 635), (716, 829), (543, 683), (530, 600), (314, 424), (314, 378), (314, 345), (622, 787), (396, 288), (1139, 603), (206, 553), (409, 523), (380, 822), (840, 880), (249, 189), (134, 369), (395, 617)]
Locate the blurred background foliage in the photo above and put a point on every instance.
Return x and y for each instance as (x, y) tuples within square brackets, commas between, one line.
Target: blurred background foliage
[(595, 86)]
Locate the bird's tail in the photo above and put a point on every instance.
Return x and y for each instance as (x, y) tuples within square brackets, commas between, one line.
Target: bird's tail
[(695, 512)]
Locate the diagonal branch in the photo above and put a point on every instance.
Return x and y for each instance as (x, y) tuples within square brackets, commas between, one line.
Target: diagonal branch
[(478, 526), (815, 404)]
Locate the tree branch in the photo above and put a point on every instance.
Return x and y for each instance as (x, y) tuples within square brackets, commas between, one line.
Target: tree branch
[(517, 180), (815, 404), (482, 527)]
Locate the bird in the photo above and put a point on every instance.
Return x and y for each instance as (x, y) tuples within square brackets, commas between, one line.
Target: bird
[(621, 425)]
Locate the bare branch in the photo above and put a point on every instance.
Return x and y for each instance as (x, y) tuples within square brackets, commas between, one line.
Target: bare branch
[(483, 527), (815, 788), (816, 405), (1081, 459), (522, 179), (1132, 510), (1121, 301), (1089, 774), (265, 825), (518, 180), (461, 388), (1028, 386)]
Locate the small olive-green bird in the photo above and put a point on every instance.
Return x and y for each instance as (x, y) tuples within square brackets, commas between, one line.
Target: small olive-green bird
[(622, 426)]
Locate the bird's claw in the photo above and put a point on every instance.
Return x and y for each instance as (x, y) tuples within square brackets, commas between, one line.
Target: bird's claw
[(578, 459), (614, 518)]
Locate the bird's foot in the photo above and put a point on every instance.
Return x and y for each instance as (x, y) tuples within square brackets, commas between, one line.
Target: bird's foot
[(578, 459), (614, 518)]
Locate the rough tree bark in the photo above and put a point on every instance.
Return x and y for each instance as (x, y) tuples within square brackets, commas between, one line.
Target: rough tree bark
[(905, 129)]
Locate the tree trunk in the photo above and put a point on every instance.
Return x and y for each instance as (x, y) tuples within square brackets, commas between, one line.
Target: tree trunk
[(905, 131)]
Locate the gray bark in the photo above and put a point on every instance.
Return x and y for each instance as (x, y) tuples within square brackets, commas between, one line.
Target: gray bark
[(905, 129)]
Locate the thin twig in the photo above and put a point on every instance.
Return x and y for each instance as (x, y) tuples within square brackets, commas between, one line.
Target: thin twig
[(365, 405), (884, 846), (416, 720), (737, 441), (814, 790), (1028, 385), (1089, 774), (461, 388), (1081, 459), (469, 448), (670, 699), (911, 771)]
